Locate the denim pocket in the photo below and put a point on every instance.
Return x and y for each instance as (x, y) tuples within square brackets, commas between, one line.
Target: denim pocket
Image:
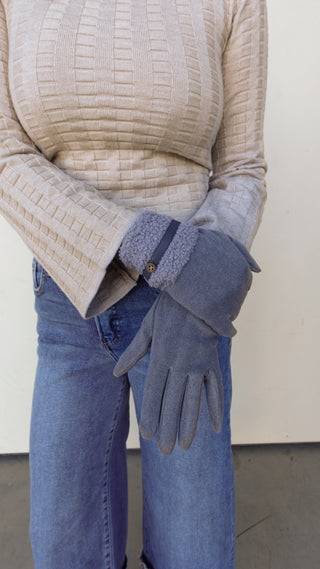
[(38, 275)]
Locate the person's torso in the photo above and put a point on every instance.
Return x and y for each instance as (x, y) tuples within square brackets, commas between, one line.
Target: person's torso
[(125, 94)]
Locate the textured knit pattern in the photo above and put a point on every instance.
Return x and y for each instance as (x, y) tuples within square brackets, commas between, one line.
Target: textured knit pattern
[(145, 235), (109, 108)]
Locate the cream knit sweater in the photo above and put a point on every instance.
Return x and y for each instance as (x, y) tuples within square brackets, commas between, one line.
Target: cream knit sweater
[(111, 107)]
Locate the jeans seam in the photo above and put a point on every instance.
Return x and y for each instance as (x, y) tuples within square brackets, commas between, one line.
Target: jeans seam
[(106, 493), (38, 288), (118, 337), (108, 350), (32, 531), (233, 524)]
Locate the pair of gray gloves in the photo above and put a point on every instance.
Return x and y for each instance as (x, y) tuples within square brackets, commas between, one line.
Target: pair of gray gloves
[(204, 277)]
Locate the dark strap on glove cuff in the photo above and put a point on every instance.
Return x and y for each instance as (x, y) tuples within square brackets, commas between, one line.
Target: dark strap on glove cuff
[(159, 251)]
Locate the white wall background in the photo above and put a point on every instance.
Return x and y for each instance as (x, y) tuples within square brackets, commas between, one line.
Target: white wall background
[(276, 353)]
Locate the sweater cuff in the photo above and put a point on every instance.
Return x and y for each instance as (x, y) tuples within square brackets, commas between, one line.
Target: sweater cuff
[(142, 239)]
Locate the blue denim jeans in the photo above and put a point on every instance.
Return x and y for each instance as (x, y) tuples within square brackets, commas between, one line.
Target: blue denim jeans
[(79, 427)]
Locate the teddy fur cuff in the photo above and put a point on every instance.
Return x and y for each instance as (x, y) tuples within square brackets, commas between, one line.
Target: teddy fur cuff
[(143, 237)]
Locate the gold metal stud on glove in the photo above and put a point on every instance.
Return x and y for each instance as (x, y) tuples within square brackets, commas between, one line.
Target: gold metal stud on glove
[(151, 267)]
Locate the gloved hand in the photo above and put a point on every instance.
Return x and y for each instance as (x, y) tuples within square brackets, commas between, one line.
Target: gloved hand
[(208, 272), (215, 281), (183, 356)]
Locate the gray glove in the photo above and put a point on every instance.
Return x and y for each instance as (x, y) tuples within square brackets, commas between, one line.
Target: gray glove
[(183, 355), (214, 282), (208, 272)]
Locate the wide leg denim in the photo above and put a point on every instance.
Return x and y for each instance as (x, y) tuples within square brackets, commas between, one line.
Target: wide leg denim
[(79, 426)]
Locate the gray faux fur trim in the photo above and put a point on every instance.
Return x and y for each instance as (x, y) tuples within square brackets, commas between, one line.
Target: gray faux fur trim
[(143, 237)]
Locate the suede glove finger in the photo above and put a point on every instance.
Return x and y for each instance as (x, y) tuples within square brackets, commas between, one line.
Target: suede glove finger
[(183, 355)]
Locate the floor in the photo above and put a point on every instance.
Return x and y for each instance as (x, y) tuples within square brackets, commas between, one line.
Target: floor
[(277, 508)]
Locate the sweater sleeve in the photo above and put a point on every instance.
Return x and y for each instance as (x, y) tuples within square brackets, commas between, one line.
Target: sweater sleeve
[(67, 225), (237, 189)]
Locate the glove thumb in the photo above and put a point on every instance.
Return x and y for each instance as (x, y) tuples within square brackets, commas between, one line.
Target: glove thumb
[(139, 345), (250, 260)]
